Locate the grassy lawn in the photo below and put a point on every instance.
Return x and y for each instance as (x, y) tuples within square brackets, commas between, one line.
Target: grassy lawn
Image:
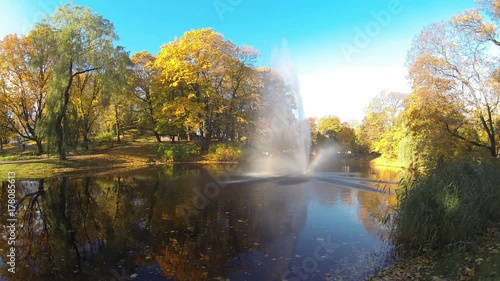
[(104, 157), (30, 170), (11, 152)]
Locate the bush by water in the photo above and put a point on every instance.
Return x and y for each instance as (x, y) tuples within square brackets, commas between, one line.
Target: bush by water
[(176, 152), (449, 207)]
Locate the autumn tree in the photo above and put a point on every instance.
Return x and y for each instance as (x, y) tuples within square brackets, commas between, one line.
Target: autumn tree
[(86, 94), (145, 85), (329, 127), (241, 93), (25, 70), (83, 42), (206, 76), (118, 99), (456, 53), (380, 129), (332, 131), (347, 138), (425, 140), (5, 132)]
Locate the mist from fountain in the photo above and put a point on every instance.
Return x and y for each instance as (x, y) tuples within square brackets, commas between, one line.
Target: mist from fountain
[(285, 150)]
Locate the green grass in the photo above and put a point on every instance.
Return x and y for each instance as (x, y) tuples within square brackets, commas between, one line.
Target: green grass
[(29, 170), (12, 152), (176, 152)]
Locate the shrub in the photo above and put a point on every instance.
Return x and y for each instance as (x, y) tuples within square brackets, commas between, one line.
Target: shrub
[(179, 152), (104, 137), (450, 205), (223, 153)]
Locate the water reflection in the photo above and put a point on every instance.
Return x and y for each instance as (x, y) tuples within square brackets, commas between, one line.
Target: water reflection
[(134, 227)]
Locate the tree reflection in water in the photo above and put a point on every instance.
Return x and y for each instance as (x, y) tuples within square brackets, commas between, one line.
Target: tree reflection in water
[(130, 225)]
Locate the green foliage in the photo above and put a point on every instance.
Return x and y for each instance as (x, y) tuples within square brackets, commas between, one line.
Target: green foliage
[(330, 130), (329, 127), (176, 152), (450, 205), (84, 41), (104, 137), (223, 153), (381, 128)]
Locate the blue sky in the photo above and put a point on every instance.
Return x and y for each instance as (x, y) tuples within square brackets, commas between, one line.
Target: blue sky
[(343, 52)]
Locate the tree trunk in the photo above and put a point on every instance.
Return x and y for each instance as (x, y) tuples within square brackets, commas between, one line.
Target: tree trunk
[(205, 141), (204, 144), (61, 150), (493, 146), (86, 140), (157, 135), (1, 144), (39, 146), (118, 132), (233, 134), (60, 139), (117, 125)]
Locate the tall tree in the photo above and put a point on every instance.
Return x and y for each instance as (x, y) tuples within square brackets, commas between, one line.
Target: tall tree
[(425, 140), (381, 130), (86, 95), (329, 127), (242, 92), (117, 92), (25, 70), (347, 137), (145, 87), (84, 44), (456, 53), (5, 132), (206, 70)]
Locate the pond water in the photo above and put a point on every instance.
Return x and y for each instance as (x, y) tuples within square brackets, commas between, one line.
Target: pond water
[(202, 223)]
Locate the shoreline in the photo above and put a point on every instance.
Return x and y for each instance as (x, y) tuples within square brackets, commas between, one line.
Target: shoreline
[(123, 157)]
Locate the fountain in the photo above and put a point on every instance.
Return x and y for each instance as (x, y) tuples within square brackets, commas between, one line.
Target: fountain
[(285, 149), (283, 153)]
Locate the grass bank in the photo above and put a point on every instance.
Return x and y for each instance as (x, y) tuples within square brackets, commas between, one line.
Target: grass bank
[(100, 160), (446, 225), (111, 157)]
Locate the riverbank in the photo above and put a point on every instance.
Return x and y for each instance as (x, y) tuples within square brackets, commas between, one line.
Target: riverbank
[(116, 157), (381, 161), (447, 224), (119, 157), (477, 261)]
